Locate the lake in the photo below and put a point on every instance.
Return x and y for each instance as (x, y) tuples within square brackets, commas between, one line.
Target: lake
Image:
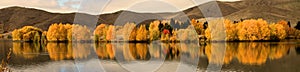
[(155, 56)]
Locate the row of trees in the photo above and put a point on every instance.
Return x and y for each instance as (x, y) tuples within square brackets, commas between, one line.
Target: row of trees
[(247, 30), (68, 32), (254, 30)]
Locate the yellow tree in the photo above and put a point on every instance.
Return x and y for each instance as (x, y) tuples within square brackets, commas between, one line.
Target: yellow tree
[(231, 31), (133, 34), (100, 32), (278, 31), (154, 30), (27, 33), (141, 33), (198, 26), (52, 34), (253, 30), (109, 33), (16, 35), (78, 33), (127, 29)]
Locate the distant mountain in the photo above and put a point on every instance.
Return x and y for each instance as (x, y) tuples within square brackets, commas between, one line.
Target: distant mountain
[(272, 10)]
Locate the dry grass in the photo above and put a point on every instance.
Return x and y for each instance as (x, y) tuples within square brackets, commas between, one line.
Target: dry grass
[(4, 63)]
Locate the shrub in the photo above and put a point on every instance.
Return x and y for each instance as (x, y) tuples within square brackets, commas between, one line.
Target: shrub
[(231, 30), (253, 30), (278, 32), (27, 33), (57, 32)]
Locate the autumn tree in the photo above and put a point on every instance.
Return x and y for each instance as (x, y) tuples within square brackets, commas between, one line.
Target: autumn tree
[(67, 32), (57, 32), (231, 30), (100, 32), (126, 30), (198, 26), (78, 33), (141, 33), (154, 30), (253, 30), (187, 34), (27, 33), (133, 34), (278, 32), (1, 36), (109, 33)]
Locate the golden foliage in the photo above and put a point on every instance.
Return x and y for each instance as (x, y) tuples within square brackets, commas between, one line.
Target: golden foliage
[(1, 36), (100, 32), (198, 26), (253, 30), (133, 34), (78, 33), (57, 32), (284, 24), (27, 33), (127, 29), (141, 33), (109, 33), (67, 32), (154, 30), (278, 32), (231, 30), (26, 50), (187, 34)]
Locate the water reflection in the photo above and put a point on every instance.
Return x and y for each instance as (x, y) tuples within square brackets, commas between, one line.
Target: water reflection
[(247, 53), (27, 50), (62, 51)]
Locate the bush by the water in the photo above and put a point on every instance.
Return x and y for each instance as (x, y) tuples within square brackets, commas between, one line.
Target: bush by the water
[(27, 33)]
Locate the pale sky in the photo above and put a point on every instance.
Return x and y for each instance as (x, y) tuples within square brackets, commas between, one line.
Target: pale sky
[(105, 6)]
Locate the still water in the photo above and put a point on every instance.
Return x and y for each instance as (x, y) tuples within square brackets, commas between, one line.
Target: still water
[(156, 56)]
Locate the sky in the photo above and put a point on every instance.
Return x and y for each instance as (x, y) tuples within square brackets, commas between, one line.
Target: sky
[(105, 6)]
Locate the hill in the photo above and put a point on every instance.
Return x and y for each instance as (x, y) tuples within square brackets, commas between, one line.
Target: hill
[(272, 10)]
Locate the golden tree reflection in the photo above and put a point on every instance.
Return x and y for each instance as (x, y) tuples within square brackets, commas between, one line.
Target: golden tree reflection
[(248, 53), (105, 50), (59, 51), (26, 50), (142, 50), (101, 51), (62, 51), (278, 51), (253, 53)]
